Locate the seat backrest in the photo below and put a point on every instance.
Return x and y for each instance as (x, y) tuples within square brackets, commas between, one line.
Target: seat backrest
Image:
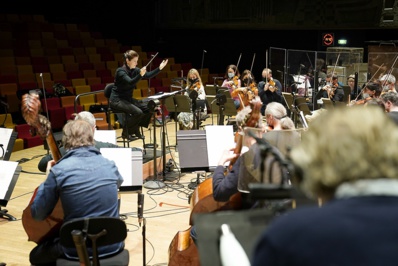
[(115, 227), (108, 90)]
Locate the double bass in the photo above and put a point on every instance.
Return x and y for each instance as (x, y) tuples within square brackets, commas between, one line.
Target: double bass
[(39, 231)]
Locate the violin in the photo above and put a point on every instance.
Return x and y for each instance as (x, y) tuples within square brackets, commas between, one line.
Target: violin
[(362, 101)]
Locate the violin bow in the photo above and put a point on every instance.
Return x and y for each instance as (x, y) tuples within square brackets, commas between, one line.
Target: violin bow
[(150, 61), (334, 68), (237, 64), (254, 57), (390, 71), (366, 84)]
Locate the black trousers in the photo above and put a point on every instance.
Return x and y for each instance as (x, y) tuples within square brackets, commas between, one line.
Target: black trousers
[(137, 112)]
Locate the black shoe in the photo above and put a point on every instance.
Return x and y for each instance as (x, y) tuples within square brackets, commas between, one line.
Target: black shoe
[(138, 134), (128, 137)]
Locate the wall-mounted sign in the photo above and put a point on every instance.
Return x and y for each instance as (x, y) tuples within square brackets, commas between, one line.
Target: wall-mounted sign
[(327, 39)]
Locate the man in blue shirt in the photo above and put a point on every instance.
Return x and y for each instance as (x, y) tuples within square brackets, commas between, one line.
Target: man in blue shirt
[(84, 181)]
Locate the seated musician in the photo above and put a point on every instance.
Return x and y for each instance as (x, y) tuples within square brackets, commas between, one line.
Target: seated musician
[(354, 92), (232, 81), (333, 90), (370, 91), (87, 185), (195, 91), (387, 82), (226, 184), (248, 91), (269, 89)]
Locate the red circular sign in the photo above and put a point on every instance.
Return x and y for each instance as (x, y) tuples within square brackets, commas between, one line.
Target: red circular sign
[(328, 39)]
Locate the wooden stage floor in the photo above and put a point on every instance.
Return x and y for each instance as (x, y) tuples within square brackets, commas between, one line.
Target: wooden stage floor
[(166, 210)]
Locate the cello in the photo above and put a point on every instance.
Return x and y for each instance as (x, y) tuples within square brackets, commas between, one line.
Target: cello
[(38, 231)]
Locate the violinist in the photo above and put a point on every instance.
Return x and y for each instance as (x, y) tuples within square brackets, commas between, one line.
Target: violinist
[(194, 85), (333, 90), (248, 91), (370, 91), (269, 89), (354, 92), (232, 81), (387, 83)]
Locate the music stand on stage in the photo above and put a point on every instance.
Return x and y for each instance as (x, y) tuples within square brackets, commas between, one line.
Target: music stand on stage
[(223, 106), (154, 101), (8, 178), (178, 103)]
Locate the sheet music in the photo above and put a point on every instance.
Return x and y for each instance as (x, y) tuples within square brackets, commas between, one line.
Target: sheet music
[(219, 138), (105, 136), (125, 159), (6, 175), (5, 136)]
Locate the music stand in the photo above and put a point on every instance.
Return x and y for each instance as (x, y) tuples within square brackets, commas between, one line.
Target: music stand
[(211, 89), (178, 103), (8, 178), (221, 109), (7, 141), (157, 100)]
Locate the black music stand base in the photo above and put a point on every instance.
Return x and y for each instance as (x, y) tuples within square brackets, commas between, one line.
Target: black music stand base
[(4, 215)]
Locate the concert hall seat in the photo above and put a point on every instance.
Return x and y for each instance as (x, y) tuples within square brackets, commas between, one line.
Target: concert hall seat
[(56, 112), (101, 99), (78, 82), (101, 121), (94, 81), (30, 141), (86, 101), (6, 121)]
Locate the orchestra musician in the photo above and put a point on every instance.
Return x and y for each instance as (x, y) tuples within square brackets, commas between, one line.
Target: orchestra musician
[(370, 91), (126, 78), (354, 92), (269, 89), (87, 185), (248, 91), (194, 84), (225, 183), (232, 81), (390, 100), (387, 82), (332, 90)]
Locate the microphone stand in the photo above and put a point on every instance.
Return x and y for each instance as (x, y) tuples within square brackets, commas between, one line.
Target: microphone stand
[(155, 183), (143, 241)]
